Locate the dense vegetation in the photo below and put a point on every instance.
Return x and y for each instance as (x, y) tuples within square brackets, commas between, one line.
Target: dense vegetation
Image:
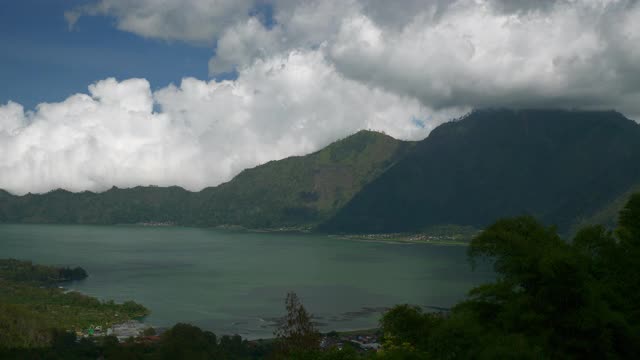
[(297, 192), (32, 305), (182, 341), (302, 191), (552, 299), (561, 167), (26, 271)]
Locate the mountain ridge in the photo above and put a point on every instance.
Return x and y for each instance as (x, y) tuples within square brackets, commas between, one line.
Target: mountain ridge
[(552, 164), (268, 198), (566, 167)]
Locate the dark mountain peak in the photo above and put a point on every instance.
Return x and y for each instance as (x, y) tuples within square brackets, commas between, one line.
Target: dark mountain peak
[(518, 128), (553, 164), (525, 116), (558, 165), (539, 111)]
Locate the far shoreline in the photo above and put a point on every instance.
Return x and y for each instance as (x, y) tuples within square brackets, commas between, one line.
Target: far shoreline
[(412, 238)]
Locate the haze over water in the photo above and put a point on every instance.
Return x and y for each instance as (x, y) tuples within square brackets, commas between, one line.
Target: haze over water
[(235, 282)]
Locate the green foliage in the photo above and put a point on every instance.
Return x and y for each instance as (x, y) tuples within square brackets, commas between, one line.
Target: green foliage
[(22, 328), (184, 341), (629, 230), (76, 273), (26, 271), (68, 310), (31, 306), (407, 324), (296, 334), (551, 299), (301, 191)]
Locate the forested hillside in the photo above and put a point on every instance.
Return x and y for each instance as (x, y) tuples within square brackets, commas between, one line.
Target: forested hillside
[(295, 192), (559, 166), (304, 190)]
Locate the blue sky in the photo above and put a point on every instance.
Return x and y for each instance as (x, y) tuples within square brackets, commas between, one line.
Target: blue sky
[(43, 61)]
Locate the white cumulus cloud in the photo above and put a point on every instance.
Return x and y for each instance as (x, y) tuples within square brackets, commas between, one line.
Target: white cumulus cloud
[(203, 133), (313, 72), (183, 20), (580, 53)]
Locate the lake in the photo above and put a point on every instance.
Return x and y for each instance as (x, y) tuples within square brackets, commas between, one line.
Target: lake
[(235, 282)]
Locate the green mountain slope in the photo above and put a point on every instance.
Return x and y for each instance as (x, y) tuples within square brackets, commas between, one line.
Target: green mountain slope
[(294, 192), (115, 206), (303, 190), (559, 166)]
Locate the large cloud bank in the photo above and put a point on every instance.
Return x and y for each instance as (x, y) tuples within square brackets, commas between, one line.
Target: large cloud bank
[(312, 71), (202, 133)]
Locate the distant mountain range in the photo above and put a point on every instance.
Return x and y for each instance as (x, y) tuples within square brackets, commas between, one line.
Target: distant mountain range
[(297, 193), (564, 167)]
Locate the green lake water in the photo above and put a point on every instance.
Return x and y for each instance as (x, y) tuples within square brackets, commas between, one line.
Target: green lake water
[(235, 282)]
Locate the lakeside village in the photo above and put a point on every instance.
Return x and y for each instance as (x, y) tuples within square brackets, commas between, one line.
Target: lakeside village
[(365, 341), (411, 238), (138, 332), (131, 329), (436, 235), (39, 289)]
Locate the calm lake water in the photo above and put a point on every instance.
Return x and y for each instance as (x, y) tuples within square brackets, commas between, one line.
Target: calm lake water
[(235, 282)]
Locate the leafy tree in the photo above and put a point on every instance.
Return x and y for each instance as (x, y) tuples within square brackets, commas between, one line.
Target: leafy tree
[(545, 290), (232, 347), (184, 341), (550, 299), (297, 333), (408, 324)]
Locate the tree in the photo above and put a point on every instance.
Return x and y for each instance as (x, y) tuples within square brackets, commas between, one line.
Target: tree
[(297, 333), (184, 341), (406, 324), (550, 294), (550, 298)]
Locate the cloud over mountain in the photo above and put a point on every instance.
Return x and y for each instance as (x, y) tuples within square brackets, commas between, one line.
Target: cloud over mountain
[(469, 53), (202, 133), (312, 71)]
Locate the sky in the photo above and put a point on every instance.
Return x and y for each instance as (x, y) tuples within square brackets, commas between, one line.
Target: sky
[(102, 93)]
